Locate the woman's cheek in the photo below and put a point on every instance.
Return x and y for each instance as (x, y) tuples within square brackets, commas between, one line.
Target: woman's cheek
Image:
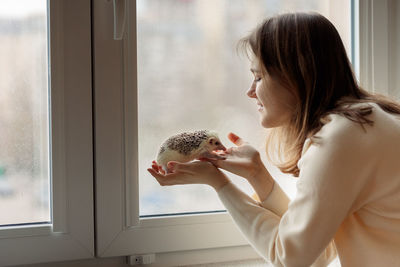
[(261, 94), (259, 90)]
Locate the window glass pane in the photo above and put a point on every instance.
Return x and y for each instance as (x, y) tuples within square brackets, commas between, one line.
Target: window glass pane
[(190, 77), (24, 164)]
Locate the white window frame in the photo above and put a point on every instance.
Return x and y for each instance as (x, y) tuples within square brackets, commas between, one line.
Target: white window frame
[(71, 233), (119, 230), (372, 35), (175, 240)]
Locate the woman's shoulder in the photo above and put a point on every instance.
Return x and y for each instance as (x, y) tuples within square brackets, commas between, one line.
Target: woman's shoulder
[(377, 121), (339, 130)]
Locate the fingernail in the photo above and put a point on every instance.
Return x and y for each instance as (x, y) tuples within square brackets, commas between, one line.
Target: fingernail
[(234, 137), (171, 164)]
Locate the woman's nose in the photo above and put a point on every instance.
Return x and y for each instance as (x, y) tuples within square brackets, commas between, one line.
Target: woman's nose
[(251, 92)]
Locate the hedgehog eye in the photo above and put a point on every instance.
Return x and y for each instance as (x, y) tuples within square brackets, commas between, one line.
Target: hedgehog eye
[(217, 143)]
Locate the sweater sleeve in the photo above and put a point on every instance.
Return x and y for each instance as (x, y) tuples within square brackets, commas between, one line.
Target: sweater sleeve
[(332, 174), (277, 201)]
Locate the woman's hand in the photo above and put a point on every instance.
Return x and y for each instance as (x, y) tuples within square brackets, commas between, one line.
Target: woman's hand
[(196, 172), (244, 160)]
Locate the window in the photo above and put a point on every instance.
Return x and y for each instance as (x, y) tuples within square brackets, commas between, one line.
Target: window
[(24, 139), (46, 166), (175, 69), (190, 77)]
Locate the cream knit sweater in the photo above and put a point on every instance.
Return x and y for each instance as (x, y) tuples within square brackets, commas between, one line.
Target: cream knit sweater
[(347, 202)]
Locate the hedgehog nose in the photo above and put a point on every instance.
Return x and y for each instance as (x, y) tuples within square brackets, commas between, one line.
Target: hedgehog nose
[(221, 147)]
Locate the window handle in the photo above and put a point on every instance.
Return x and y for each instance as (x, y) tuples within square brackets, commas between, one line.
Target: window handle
[(119, 18)]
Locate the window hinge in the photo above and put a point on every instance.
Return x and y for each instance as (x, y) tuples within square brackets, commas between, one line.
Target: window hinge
[(141, 259)]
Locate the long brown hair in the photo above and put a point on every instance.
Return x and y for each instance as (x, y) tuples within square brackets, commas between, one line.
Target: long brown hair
[(304, 52)]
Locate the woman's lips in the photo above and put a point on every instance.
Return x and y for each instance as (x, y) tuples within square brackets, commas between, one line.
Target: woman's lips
[(260, 106)]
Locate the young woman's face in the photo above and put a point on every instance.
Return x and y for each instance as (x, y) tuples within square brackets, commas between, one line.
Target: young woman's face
[(275, 102)]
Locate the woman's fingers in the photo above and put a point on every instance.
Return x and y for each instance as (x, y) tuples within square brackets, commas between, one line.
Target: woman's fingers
[(154, 173), (181, 176), (162, 179), (175, 166), (157, 168), (236, 139), (195, 172)]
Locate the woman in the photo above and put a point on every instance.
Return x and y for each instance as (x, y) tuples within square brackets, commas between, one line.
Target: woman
[(341, 141)]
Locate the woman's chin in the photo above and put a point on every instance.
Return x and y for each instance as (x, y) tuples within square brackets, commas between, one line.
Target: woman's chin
[(265, 123), (268, 123)]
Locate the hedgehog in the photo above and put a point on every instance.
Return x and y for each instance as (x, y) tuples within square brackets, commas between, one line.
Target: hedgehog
[(188, 146)]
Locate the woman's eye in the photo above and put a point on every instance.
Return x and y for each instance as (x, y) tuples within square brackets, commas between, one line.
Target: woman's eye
[(257, 79)]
